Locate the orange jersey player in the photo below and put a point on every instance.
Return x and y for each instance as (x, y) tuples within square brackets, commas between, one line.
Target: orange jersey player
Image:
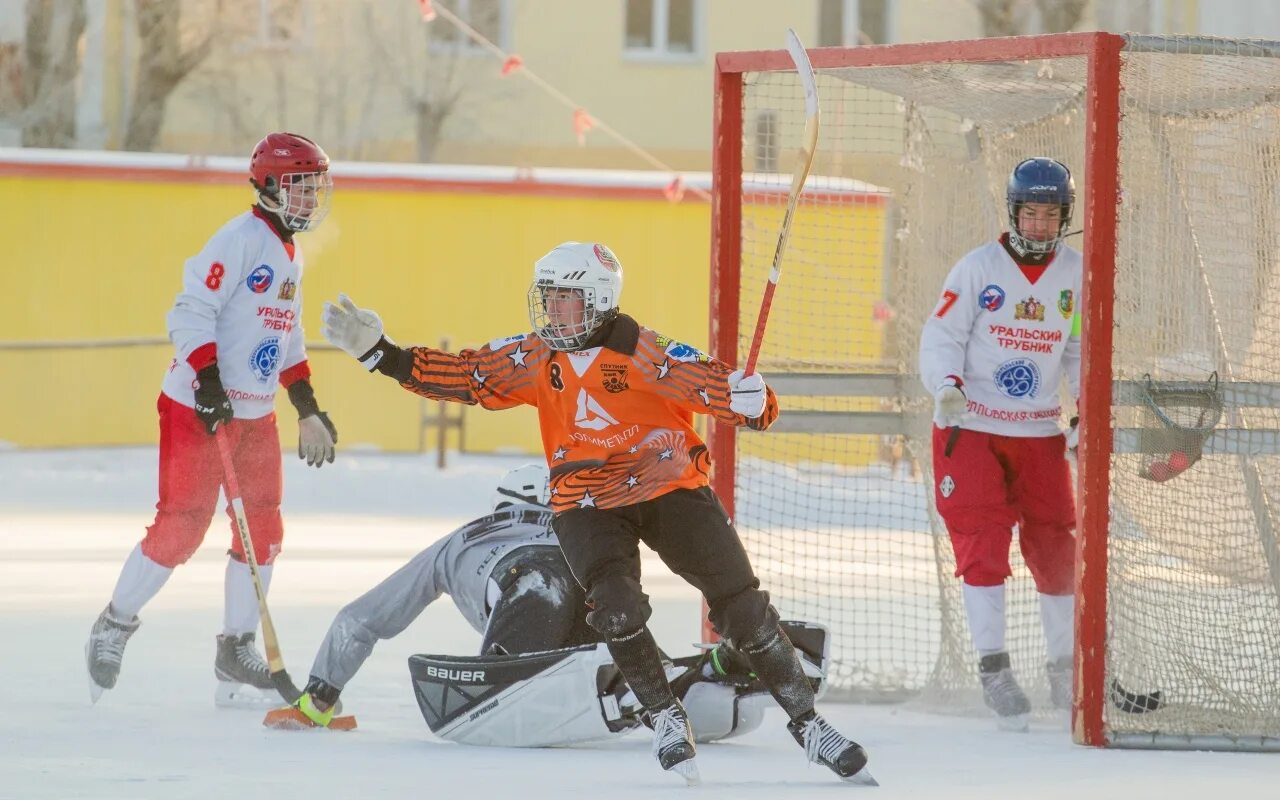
[(615, 406), (616, 420)]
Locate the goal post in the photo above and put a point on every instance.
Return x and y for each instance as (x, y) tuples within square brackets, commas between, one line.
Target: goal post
[(1175, 146)]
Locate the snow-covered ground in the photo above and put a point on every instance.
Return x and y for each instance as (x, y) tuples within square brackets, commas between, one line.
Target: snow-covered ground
[(68, 518)]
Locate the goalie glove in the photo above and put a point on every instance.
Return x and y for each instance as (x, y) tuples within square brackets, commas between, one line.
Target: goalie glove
[(949, 402), (355, 330), (747, 394)]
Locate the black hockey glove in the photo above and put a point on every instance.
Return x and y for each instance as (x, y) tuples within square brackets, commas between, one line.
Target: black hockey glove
[(317, 436), (212, 406)]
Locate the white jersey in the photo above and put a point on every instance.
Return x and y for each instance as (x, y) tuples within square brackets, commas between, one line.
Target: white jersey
[(1009, 340), (458, 565), (242, 292)]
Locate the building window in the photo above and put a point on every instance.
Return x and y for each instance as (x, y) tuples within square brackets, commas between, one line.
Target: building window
[(843, 23), (488, 17), (670, 28), (766, 141)]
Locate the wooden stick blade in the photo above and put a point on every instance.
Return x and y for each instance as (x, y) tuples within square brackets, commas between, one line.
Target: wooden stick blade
[(800, 57)]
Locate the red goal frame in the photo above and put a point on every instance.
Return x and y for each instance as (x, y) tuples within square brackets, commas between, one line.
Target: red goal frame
[(1101, 202)]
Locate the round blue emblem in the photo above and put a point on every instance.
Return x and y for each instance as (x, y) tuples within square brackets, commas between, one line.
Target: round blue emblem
[(265, 358), (260, 279), (992, 298), (1018, 378)]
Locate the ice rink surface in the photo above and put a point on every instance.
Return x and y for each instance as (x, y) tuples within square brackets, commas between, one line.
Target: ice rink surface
[(68, 519)]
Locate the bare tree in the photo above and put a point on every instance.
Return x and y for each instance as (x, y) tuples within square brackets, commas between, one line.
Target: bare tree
[(167, 54), (428, 66), (1059, 16), (51, 65), (1015, 17)]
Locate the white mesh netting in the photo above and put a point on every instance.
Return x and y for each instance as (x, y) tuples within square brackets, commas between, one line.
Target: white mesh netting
[(910, 173)]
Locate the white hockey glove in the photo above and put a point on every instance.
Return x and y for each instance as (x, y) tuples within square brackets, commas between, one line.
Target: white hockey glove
[(316, 439), (353, 329), (949, 404), (746, 394), (1073, 435)]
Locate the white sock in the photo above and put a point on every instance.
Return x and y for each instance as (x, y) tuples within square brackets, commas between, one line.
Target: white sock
[(140, 580), (984, 605), (240, 611), (1057, 617)]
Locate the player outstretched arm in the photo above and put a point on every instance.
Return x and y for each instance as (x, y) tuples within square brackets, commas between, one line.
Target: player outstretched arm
[(497, 376)]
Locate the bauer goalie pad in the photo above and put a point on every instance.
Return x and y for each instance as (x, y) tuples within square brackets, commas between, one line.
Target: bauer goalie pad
[(555, 697), (562, 697)]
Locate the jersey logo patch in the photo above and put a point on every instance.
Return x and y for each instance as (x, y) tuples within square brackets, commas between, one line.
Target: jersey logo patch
[(992, 298), (591, 414), (614, 377), (265, 358), (498, 344), (287, 289), (260, 279), (677, 351), (1066, 303), (1018, 378), (1029, 309)]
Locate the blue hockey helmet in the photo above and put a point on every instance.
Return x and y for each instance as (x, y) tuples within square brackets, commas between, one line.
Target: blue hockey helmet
[(1039, 180)]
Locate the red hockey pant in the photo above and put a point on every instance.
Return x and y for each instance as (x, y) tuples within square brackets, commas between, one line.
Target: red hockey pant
[(988, 484), (191, 474)]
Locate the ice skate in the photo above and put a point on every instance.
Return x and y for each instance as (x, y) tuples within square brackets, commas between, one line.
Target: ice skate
[(1059, 674), (825, 745), (244, 679), (1003, 695), (105, 649), (673, 742)]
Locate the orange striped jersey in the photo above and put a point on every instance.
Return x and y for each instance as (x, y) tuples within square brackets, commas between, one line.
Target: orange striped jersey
[(616, 420)]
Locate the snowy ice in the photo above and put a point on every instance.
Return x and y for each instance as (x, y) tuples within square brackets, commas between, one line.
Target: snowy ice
[(68, 518)]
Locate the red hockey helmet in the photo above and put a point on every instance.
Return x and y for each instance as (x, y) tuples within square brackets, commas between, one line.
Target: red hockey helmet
[(291, 176)]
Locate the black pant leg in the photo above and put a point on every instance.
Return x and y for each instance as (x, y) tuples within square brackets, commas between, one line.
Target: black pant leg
[(601, 546), (696, 539)]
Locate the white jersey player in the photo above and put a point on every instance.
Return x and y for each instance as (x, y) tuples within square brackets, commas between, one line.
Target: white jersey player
[(1002, 340), (237, 334)]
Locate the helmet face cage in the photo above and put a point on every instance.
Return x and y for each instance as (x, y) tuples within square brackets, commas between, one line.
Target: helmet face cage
[(291, 176), (302, 200), (575, 292), (1040, 180), (561, 335)]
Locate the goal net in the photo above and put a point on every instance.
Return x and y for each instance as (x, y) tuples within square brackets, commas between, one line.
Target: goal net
[(1175, 148)]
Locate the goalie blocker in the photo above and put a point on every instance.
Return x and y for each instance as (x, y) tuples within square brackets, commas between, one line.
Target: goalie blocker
[(577, 694)]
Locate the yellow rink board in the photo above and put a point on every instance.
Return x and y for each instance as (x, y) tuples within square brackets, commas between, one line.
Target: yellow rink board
[(100, 257)]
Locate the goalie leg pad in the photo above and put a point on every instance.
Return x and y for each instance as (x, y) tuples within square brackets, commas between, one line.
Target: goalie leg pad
[(557, 697)]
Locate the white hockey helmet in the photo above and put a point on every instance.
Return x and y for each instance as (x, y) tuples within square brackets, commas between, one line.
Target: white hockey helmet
[(529, 483), (575, 291)]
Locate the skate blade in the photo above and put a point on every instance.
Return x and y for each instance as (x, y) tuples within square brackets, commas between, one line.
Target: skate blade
[(95, 691), (688, 770), (291, 719), (861, 778), (1018, 723), (242, 695)]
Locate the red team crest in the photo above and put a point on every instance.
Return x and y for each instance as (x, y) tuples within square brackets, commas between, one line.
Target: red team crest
[(1031, 309), (607, 259)]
